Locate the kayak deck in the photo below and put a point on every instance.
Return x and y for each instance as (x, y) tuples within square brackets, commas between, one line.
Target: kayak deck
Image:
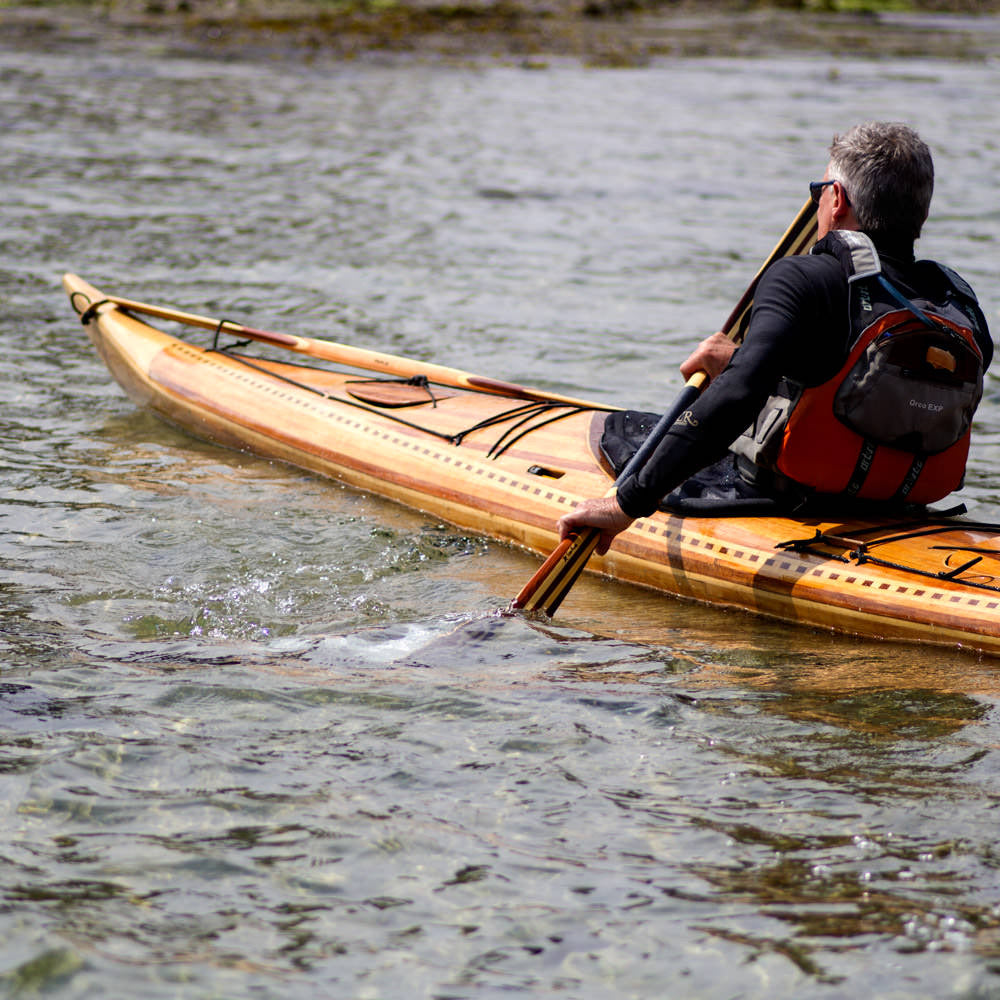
[(509, 465)]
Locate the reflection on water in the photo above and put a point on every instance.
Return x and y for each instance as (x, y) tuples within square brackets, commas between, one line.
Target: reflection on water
[(265, 735)]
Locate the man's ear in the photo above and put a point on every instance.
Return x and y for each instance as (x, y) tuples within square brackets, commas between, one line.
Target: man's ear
[(841, 211)]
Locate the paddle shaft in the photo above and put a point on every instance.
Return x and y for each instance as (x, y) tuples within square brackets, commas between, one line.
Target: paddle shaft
[(552, 581), (353, 357)]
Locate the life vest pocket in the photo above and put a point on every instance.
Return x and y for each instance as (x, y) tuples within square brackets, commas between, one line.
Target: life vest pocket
[(912, 388), (762, 443)]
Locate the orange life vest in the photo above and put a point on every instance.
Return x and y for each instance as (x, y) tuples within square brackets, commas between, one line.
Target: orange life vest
[(894, 422)]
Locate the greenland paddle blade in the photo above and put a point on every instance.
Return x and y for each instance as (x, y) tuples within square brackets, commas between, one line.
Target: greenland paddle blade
[(553, 580)]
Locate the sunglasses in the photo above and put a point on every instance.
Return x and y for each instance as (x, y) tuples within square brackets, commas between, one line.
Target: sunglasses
[(816, 190)]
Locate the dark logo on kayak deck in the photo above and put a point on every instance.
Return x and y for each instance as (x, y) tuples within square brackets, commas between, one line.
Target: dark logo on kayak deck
[(687, 419)]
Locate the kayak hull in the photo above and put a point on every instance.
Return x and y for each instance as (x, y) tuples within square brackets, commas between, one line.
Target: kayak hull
[(508, 467)]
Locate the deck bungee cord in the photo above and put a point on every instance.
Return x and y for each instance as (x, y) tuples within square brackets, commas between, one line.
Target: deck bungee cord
[(523, 413), (860, 551)]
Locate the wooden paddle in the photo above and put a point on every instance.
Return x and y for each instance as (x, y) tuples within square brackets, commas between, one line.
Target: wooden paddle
[(546, 590), (352, 357)]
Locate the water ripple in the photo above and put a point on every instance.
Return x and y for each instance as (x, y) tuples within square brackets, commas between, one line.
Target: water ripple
[(263, 734)]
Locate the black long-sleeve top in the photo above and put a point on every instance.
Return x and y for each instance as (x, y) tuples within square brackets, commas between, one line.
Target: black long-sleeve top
[(799, 329)]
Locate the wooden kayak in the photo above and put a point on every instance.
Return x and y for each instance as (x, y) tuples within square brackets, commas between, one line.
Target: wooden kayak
[(506, 461)]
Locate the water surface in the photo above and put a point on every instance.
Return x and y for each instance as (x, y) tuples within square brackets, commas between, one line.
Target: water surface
[(262, 734)]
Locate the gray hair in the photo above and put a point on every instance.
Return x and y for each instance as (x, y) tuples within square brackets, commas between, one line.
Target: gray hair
[(888, 174)]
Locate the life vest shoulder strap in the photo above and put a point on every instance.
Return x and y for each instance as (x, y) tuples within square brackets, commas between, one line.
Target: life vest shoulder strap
[(855, 251)]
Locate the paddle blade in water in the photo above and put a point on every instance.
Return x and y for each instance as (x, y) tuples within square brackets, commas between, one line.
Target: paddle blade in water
[(546, 590)]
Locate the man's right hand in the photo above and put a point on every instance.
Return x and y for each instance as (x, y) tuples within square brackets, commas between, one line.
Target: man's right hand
[(603, 513)]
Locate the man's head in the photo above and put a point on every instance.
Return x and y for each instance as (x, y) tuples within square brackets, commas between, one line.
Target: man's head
[(887, 172)]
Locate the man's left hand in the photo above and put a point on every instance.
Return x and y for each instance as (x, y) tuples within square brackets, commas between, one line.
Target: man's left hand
[(710, 356)]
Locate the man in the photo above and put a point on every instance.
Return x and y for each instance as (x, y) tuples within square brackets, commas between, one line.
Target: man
[(804, 333)]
